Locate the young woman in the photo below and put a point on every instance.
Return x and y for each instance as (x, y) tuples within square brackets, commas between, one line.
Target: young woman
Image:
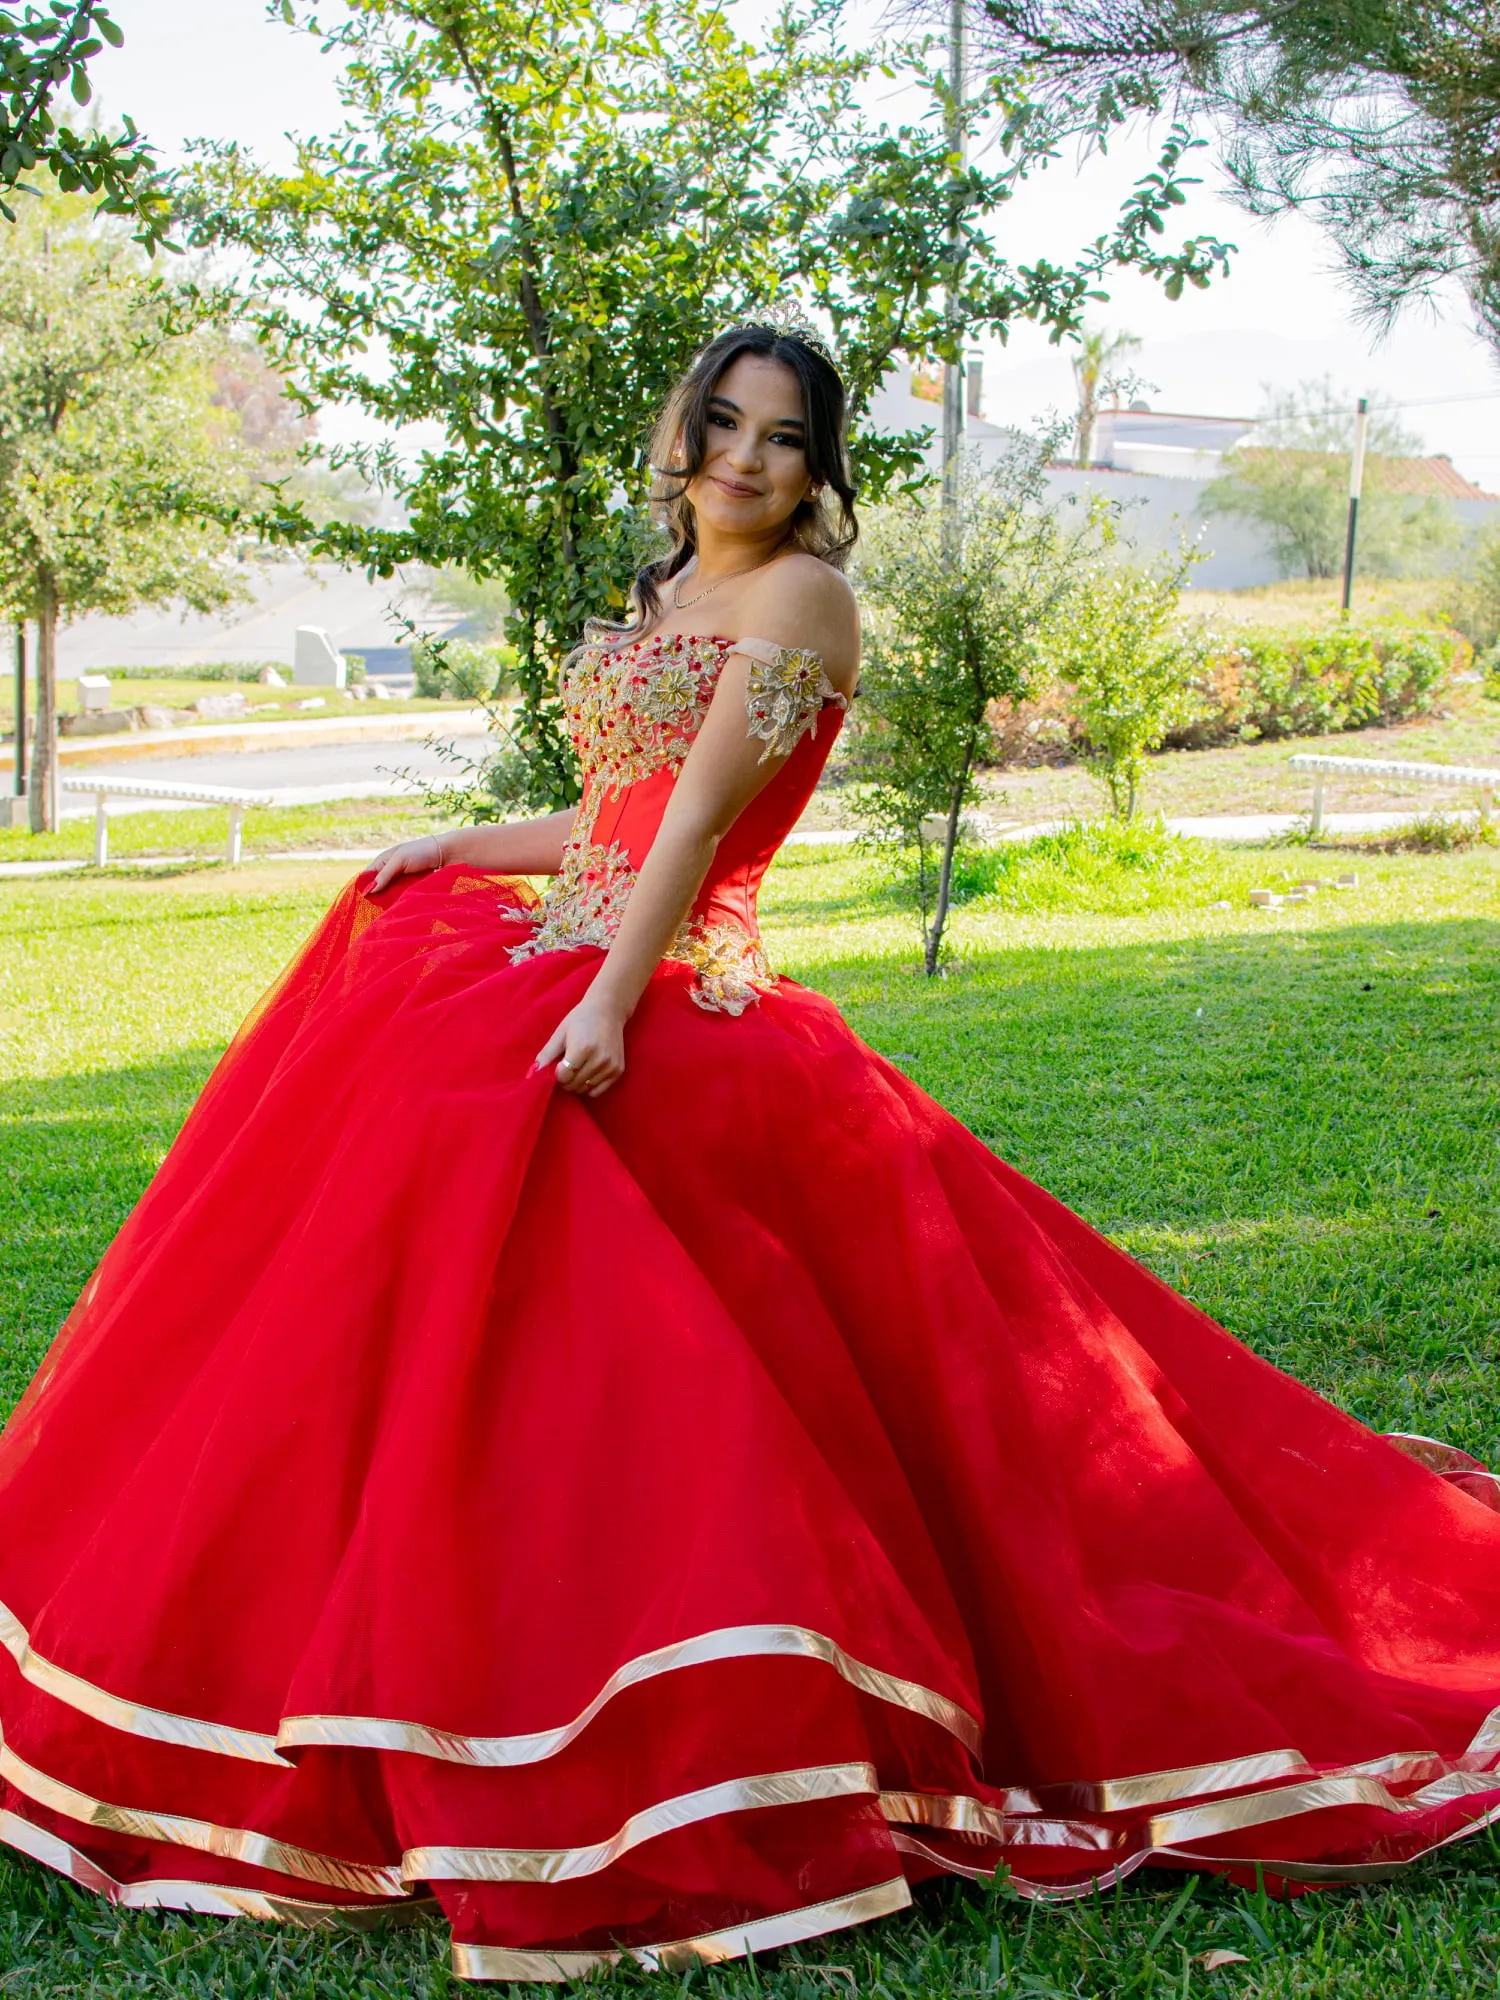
[(571, 1433)]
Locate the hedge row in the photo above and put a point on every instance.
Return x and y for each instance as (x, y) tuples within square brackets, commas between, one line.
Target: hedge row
[(1252, 683), (1246, 683)]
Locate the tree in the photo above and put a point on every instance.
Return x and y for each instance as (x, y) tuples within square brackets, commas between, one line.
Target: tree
[(1380, 118), (1131, 670), (1474, 595), (117, 475), (1293, 480), (534, 217), (41, 50), (950, 631), (1097, 374)]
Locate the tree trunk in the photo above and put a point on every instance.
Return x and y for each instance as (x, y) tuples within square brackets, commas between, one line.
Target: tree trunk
[(945, 874), (43, 794)]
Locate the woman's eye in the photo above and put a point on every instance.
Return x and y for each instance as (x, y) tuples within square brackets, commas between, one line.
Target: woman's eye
[(724, 423), (781, 437)]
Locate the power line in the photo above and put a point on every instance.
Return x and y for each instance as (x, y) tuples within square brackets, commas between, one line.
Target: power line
[(1432, 402)]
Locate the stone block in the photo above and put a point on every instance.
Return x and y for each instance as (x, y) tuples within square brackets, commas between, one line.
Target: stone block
[(316, 661), (93, 693), (219, 707), (96, 722)]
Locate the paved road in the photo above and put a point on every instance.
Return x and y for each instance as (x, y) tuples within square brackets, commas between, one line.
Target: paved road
[(310, 776)]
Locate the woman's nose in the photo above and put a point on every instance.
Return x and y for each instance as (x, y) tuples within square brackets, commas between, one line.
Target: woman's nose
[(744, 452)]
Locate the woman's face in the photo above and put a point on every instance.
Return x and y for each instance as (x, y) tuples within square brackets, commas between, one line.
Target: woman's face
[(754, 473)]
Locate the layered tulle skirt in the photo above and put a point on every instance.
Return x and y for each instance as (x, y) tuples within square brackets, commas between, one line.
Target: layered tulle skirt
[(679, 1522)]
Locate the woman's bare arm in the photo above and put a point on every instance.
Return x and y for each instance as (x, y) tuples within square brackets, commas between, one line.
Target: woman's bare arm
[(726, 767), (515, 847)]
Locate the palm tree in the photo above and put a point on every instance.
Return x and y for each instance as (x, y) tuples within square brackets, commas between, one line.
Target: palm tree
[(1097, 374)]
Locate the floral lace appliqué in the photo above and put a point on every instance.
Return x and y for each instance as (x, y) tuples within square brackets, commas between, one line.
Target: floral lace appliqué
[(586, 902), (635, 710), (785, 693)]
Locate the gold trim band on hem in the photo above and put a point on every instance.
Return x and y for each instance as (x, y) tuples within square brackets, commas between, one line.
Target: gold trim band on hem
[(441, 1863), (131, 1718), (568, 1864), (493, 1961), (730, 1642), (213, 1899), (949, 1812), (368, 1732), (255, 1850)]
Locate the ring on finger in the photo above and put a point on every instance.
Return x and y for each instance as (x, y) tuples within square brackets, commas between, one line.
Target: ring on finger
[(563, 1063)]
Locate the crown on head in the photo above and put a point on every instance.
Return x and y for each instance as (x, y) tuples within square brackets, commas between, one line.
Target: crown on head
[(786, 317)]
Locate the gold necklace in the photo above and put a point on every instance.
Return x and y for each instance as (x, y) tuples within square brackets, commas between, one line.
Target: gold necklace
[(677, 603)]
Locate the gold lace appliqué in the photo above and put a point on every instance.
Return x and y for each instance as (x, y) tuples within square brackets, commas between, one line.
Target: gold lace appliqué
[(584, 906), (786, 690), (636, 710)]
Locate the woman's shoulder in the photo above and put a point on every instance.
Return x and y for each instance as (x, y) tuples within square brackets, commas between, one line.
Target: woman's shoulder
[(801, 602)]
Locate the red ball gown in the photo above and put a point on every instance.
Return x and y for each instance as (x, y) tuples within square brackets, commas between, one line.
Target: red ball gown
[(676, 1523)]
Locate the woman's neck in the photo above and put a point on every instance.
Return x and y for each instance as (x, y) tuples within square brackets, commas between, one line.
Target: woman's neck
[(729, 555)]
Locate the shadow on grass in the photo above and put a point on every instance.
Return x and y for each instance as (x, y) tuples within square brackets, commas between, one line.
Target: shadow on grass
[(75, 1154)]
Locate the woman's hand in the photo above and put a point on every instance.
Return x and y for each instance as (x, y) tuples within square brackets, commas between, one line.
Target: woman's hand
[(588, 1046), (408, 857)]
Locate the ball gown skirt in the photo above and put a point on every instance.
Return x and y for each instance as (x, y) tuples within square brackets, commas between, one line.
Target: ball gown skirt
[(678, 1522)]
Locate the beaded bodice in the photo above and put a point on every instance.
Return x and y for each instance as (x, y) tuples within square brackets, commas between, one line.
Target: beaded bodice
[(633, 713)]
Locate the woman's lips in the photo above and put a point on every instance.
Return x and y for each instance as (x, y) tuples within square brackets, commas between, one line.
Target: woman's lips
[(732, 486)]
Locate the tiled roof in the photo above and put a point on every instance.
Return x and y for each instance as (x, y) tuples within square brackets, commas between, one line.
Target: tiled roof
[(1436, 478)]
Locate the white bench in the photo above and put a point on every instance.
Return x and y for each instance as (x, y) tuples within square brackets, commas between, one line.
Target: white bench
[(104, 789), (1486, 783)]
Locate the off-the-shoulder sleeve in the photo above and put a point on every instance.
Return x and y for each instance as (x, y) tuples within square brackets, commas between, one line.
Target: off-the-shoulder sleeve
[(786, 690)]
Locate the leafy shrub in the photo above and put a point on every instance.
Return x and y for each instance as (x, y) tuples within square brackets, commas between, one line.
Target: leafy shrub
[(203, 670), (1431, 833), (458, 669), (961, 614), (1130, 672), (1253, 683)]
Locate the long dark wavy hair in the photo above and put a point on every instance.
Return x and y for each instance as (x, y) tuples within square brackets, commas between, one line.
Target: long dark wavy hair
[(824, 525)]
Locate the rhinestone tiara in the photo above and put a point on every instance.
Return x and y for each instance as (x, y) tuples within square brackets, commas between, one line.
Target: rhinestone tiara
[(786, 317)]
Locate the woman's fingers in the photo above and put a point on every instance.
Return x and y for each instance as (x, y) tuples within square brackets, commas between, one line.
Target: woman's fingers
[(578, 1069), (586, 1061), (553, 1048)]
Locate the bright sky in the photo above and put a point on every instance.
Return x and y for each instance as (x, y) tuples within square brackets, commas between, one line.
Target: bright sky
[(224, 69)]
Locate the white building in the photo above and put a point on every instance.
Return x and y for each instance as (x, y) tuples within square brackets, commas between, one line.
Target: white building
[(1155, 464)]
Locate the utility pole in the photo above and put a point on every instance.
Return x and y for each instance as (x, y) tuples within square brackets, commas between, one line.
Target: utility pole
[(1356, 480), (19, 767), (953, 373)]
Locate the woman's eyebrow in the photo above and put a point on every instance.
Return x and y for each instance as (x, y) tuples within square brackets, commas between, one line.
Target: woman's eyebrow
[(782, 423)]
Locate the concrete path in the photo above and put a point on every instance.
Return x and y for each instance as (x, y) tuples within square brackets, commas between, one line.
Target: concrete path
[(1247, 828), (191, 743)]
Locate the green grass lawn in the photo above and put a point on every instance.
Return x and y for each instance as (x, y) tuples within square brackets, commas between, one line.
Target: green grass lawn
[(1290, 1115)]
